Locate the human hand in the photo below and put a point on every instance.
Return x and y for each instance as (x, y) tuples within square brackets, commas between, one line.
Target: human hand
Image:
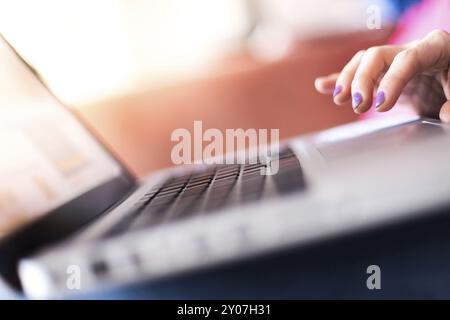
[(419, 70)]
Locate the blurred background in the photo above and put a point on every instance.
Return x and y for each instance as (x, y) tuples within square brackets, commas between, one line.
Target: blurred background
[(215, 58), (87, 49)]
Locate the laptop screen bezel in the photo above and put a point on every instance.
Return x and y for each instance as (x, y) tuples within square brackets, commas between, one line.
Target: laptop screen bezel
[(58, 224)]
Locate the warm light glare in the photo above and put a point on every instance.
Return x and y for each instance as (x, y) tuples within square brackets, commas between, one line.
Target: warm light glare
[(89, 49)]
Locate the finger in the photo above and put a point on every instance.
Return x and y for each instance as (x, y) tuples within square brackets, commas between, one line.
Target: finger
[(444, 114), (326, 85), (343, 83), (431, 54), (374, 63)]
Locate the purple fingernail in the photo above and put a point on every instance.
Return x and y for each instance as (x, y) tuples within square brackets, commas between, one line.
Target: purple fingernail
[(379, 99), (337, 90), (357, 99)]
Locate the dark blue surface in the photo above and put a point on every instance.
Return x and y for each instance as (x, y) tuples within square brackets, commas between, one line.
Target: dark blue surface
[(403, 5)]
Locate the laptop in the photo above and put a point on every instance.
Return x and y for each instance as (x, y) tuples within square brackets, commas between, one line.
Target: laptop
[(68, 205)]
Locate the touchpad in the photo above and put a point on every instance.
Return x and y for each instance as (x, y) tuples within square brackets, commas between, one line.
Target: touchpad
[(393, 137)]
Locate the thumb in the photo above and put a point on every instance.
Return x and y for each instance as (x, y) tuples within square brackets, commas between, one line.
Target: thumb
[(444, 114)]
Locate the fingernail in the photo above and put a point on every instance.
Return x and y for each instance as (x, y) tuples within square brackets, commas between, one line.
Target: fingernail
[(337, 90), (379, 99), (357, 99)]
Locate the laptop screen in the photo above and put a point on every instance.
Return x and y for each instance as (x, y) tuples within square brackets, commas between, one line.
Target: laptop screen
[(46, 156)]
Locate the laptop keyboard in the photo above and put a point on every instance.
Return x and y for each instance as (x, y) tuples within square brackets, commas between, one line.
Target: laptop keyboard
[(208, 190)]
